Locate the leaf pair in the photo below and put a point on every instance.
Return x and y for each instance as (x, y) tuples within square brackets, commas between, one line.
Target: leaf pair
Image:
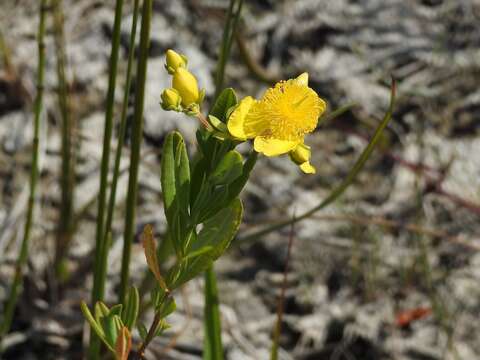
[(113, 325), (211, 242)]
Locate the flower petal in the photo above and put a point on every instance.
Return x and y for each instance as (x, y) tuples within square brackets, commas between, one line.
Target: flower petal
[(236, 121), (273, 147), (307, 168), (257, 121), (302, 79)]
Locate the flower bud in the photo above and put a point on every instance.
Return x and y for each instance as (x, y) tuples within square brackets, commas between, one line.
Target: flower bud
[(175, 61), (186, 84), (171, 99), (301, 156)]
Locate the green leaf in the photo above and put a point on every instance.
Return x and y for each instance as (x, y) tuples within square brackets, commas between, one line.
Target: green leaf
[(237, 186), (198, 179), (211, 243), (205, 142), (109, 326), (229, 169), (162, 326), (116, 310), (101, 310), (142, 330), (224, 102), (167, 307), (94, 324), (217, 123), (130, 312), (175, 179), (219, 230)]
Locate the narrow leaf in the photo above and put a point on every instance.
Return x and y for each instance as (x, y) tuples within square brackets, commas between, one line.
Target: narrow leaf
[(142, 330), (123, 345), (167, 307), (150, 250), (93, 323), (130, 312), (101, 310), (110, 328)]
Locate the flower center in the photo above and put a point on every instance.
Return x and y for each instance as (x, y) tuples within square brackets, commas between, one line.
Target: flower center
[(292, 110)]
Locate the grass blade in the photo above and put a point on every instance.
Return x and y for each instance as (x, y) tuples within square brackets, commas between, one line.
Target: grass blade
[(23, 254)]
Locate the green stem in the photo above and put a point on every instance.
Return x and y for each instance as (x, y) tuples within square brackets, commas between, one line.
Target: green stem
[(67, 168), (23, 254), (278, 325), (213, 348), (99, 282), (342, 187), (228, 33), (136, 144), (118, 155)]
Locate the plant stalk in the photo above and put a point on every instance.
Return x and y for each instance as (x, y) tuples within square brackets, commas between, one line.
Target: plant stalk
[(67, 177), (233, 16), (213, 348), (136, 146), (34, 174), (99, 281), (120, 142)]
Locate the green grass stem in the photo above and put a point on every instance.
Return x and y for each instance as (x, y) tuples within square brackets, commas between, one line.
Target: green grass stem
[(120, 142), (136, 146), (34, 173), (67, 177), (212, 348), (233, 16), (99, 281), (277, 330)]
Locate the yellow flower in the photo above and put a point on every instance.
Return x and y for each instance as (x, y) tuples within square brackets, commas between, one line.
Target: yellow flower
[(175, 61), (281, 119), (301, 156), (171, 99), (186, 84)]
